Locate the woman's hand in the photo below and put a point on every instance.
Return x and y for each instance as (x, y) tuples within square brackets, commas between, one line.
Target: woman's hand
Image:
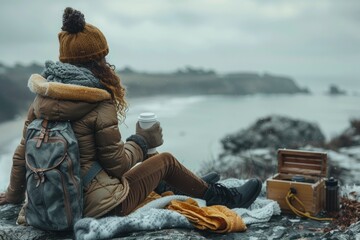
[(153, 135), (3, 199)]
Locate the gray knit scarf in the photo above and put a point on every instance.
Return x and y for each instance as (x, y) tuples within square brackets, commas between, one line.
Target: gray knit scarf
[(70, 74)]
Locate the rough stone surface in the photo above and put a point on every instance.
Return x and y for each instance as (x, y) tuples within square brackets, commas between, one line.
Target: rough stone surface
[(274, 132), (257, 158), (279, 227), (252, 151), (10, 231), (349, 137)]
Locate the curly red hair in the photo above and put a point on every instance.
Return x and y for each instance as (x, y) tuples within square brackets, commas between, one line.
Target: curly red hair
[(105, 72)]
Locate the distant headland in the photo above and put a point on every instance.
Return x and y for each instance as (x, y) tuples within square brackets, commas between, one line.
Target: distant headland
[(15, 97)]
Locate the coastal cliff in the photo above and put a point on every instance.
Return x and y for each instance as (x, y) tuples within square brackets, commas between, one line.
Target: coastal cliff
[(15, 97), (200, 82)]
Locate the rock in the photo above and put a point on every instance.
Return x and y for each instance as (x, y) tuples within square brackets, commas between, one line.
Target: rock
[(335, 90), (256, 158), (353, 232), (279, 227), (260, 163), (274, 132), (252, 152), (344, 165), (350, 137), (10, 231)]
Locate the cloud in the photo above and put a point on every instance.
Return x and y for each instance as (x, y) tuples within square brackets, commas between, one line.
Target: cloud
[(227, 35)]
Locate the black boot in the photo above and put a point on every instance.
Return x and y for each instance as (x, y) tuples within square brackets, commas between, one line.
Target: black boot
[(209, 178), (239, 197)]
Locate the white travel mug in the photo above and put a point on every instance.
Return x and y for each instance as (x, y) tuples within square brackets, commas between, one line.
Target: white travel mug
[(146, 120)]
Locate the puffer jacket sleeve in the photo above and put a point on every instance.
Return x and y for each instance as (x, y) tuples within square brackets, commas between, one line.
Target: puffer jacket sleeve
[(115, 156), (16, 190)]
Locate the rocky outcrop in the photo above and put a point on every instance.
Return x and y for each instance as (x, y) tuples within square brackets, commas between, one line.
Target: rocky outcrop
[(349, 138), (245, 162), (252, 151), (10, 231), (279, 227), (344, 164), (274, 132), (335, 90)]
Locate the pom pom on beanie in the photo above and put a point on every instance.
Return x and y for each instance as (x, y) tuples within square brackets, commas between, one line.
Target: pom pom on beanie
[(79, 41), (73, 21)]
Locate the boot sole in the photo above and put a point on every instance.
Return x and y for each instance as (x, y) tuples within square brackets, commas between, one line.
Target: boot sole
[(251, 200)]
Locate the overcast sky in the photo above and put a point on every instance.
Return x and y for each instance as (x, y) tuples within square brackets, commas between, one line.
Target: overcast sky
[(284, 37)]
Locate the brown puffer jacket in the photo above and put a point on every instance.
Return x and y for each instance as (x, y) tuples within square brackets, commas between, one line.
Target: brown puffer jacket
[(95, 123)]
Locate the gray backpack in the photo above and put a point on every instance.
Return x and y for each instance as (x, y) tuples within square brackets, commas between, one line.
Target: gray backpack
[(53, 181)]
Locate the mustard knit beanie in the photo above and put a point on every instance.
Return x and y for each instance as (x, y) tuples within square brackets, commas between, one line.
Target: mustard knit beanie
[(79, 41)]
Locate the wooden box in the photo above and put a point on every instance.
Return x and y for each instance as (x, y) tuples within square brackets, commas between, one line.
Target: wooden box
[(295, 164)]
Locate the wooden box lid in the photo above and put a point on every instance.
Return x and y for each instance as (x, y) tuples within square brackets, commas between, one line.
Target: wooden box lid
[(302, 162)]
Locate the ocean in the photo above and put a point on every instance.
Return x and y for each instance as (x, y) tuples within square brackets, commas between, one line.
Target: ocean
[(193, 126)]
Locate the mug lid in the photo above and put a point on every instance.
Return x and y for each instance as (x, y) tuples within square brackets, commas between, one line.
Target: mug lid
[(147, 117)]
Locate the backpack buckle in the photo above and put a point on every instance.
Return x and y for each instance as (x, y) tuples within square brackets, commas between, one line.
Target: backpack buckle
[(44, 134), (40, 177)]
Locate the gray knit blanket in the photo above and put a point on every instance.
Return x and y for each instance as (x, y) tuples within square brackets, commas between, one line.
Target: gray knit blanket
[(152, 216), (70, 74)]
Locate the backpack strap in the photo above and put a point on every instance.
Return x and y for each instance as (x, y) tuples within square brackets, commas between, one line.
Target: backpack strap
[(43, 133), (93, 171)]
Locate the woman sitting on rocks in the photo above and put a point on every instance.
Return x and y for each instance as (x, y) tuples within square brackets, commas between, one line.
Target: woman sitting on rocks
[(89, 94)]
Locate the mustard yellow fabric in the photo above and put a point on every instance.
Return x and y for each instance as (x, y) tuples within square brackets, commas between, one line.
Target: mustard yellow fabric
[(217, 218)]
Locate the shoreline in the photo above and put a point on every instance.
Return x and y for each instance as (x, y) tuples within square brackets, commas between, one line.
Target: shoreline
[(10, 130)]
